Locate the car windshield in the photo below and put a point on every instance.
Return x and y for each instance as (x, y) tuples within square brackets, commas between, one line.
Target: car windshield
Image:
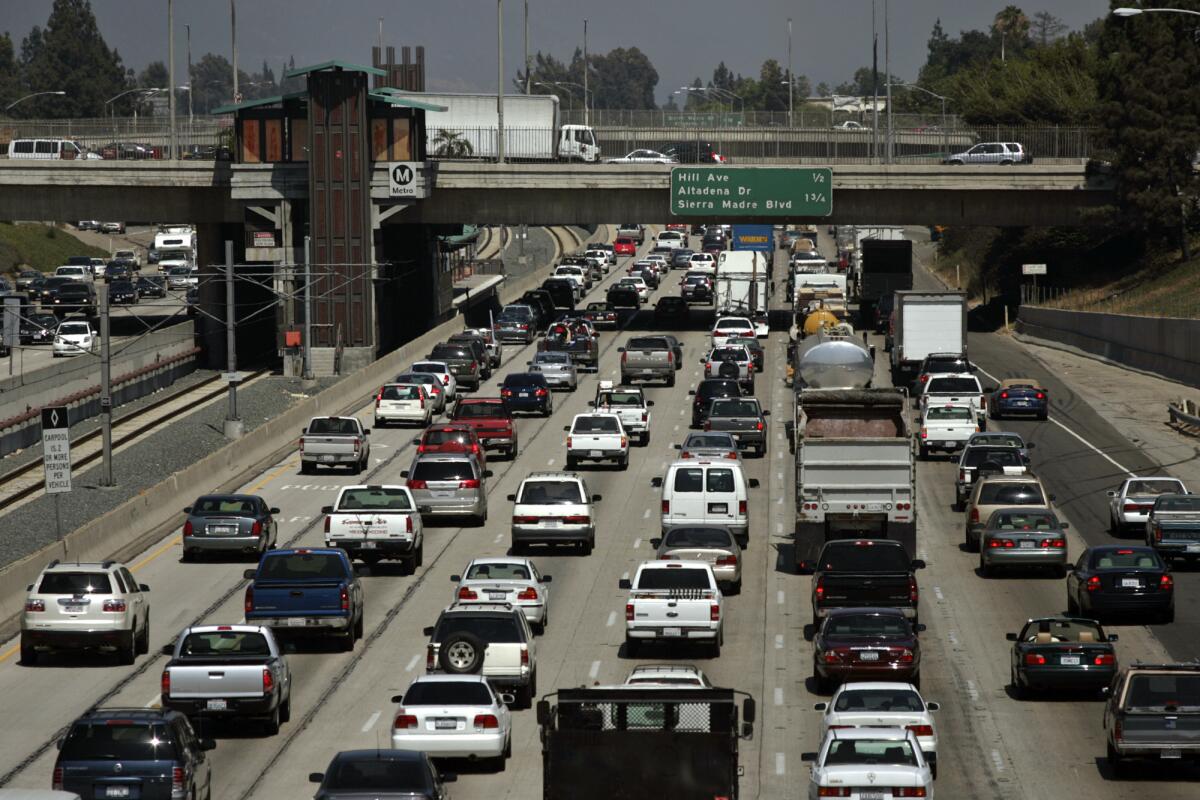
[(852, 557), (1180, 691), (868, 626), (446, 351), (448, 693), (1044, 631), (597, 424), (673, 579), (524, 379), (733, 408), (647, 343), (226, 643), (709, 389), (879, 700), (479, 411), (1177, 502), (180, 271), (1004, 457), (949, 413), (998, 439), (118, 740), (1011, 494), (697, 537), (734, 325), (375, 498), (500, 571), (429, 367), (633, 399), (302, 566), (552, 358), (492, 628), (456, 470), (333, 426), (377, 774), (952, 386), (699, 441), (74, 329), (75, 583), (871, 751), (1150, 488), (1023, 521), (222, 505), (729, 354), (550, 493), (1126, 558), (409, 392), (439, 437)]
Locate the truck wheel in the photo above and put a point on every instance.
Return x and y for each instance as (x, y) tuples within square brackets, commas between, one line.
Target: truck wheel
[(285, 713), (419, 559), (29, 653), (623, 464), (271, 723), (358, 631), (304, 469), (632, 647), (715, 648), (572, 463), (645, 439), (924, 453), (585, 547), (1072, 606), (1117, 764), (143, 639), (127, 649), (1168, 616), (671, 379)]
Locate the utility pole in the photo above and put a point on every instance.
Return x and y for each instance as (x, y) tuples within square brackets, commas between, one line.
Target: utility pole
[(791, 83), (308, 373), (381, 37), (887, 71), (106, 471), (234, 427), (586, 118), (171, 74), (499, 81), (874, 88), (527, 47), (233, 36), (191, 88)]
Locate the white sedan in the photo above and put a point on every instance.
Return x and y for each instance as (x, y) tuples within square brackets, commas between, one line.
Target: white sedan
[(880, 704), (703, 262), (75, 339), (506, 580), (727, 327), (870, 764), (1130, 503), (643, 157), (441, 369), (639, 284), (453, 716), (403, 402)]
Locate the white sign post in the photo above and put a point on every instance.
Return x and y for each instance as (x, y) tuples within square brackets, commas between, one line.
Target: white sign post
[(1034, 270), (56, 458)]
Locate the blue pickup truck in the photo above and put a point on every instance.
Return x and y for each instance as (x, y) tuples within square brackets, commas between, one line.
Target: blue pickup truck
[(306, 592)]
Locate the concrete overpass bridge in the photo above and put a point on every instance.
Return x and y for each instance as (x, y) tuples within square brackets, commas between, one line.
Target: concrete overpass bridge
[(453, 192)]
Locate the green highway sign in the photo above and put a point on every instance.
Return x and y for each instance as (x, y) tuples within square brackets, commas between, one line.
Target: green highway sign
[(751, 191)]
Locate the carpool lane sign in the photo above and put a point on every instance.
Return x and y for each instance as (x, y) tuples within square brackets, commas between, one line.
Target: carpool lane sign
[(56, 449), (751, 191)]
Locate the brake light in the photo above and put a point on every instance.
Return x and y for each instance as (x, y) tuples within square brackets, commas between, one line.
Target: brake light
[(624, 441), (327, 523), (471, 483), (422, 400), (974, 515), (248, 602), (1105, 660), (924, 378), (995, 544), (1158, 533), (1128, 507), (1035, 659), (465, 593), (345, 599), (628, 611), (708, 425), (820, 589), (908, 791), (301, 442), (177, 782), (417, 484), (913, 591), (57, 781), (760, 426), (35, 605), (666, 506), (741, 507), (906, 656), (188, 530), (645, 416), (924, 433), (256, 528), (714, 613), (430, 661), (1052, 543), (268, 681), (114, 606), (506, 392), (378, 397), (1004, 395), (524, 656), (576, 519), (528, 594), (671, 357), (623, 357), (1118, 729), (525, 520), (408, 526), (833, 791), (357, 444), (921, 730), (568, 442), (1093, 583), (433, 387), (485, 722), (420, 448), (446, 379), (1166, 583), (164, 683), (1040, 395), (404, 721), (962, 474), (474, 365), (727, 561)]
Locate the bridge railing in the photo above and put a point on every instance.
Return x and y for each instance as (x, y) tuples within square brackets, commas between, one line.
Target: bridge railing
[(125, 139)]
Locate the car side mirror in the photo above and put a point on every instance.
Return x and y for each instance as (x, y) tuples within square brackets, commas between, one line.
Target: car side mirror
[(808, 757), (753, 483), (168, 649), (403, 473), (677, 446), (1110, 494), (326, 509), (303, 431), (187, 509), (547, 579), (316, 777), (692, 392), (543, 712), (249, 574), (567, 428), (455, 578), (656, 483), (207, 744), (487, 473), (273, 510), (1064, 525), (1112, 637), (529, 363), (918, 563), (512, 498), (620, 349), (142, 587), (649, 403), (931, 707), (919, 627), (1012, 637), (596, 498), (1053, 497), (766, 413), (1031, 445), (416, 440), (591, 403), (820, 706), (624, 583), (397, 698), (701, 361), (507, 698), (749, 710), (366, 431), (427, 631)]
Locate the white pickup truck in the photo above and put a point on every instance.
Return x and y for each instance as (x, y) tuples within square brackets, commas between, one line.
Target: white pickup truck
[(956, 388), (946, 427), (333, 441), (228, 671), (629, 403), (597, 437), (373, 523), (673, 601)]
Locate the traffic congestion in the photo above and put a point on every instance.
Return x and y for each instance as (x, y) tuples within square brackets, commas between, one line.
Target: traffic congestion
[(690, 519)]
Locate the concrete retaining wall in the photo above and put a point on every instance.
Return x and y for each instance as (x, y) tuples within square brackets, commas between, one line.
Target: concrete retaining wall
[(151, 514), (1162, 346)]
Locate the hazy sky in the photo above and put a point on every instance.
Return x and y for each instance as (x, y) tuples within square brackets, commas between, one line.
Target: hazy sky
[(684, 38)]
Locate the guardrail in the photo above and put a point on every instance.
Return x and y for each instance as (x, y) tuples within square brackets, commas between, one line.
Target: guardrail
[(1185, 416)]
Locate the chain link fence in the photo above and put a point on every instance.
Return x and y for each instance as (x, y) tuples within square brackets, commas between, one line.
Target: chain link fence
[(1151, 300)]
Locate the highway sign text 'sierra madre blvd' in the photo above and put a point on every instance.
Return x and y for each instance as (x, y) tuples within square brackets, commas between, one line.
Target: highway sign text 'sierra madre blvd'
[(56, 449), (752, 191)]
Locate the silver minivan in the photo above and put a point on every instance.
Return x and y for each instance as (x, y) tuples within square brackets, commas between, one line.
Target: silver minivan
[(706, 492), (448, 484)]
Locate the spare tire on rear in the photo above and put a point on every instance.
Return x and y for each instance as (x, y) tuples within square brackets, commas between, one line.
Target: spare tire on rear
[(461, 653), (729, 369)]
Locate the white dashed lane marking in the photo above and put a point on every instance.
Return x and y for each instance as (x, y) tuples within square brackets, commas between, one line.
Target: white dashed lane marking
[(370, 723), (412, 663)]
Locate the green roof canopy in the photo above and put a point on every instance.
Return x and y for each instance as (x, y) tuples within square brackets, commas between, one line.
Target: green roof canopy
[(265, 101), (404, 101), (343, 65)]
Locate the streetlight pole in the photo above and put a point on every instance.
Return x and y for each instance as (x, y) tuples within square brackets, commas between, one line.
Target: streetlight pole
[(586, 120), (499, 81), (874, 89), (234, 426), (570, 95), (233, 36), (171, 75), (887, 70), (1133, 12), (106, 472), (191, 117), (26, 97), (945, 134), (526, 51), (790, 81)]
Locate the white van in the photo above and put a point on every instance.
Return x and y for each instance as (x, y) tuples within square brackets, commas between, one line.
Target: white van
[(49, 149), (76, 271), (703, 492)]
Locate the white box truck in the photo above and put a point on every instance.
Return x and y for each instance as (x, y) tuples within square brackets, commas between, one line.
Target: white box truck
[(925, 323), (469, 126), (742, 287)]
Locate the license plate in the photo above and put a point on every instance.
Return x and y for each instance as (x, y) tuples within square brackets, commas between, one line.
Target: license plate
[(327, 458), (295, 622), (718, 508), (73, 609), (1069, 661), (442, 494), (224, 530), (868, 794), (217, 705), (1022, 402), (525, 394), (116, 791), (1170, 753), (1130, 583), (1193, 548), (497, 595), (596, 453), (445, 724), (367, 545), (672, 632), (1027, 545), (874, 506), (868, 656), (948, 444)]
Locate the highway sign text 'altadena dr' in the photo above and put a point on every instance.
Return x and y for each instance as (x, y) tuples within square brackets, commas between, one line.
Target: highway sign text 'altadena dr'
[(752, 191)]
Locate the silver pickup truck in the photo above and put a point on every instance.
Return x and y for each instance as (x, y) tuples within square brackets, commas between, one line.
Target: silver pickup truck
[(334, 441), (1173, 526), (1152, 712), (744, 418), (647, 358), (228, 671)]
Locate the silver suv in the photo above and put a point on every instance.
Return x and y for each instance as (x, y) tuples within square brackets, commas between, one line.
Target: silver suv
[(553, 508), (992, 153), (449, 484), (81, 606), (489, 639)]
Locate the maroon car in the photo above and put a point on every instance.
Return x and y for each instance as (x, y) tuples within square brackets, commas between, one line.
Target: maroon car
[(866, 644)]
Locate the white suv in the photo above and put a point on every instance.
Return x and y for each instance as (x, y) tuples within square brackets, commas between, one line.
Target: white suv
[(74, 606), (553, 508), (991, 153)]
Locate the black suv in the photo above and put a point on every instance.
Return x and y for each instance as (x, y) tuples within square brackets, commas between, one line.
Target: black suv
[(144, 753), (941, 362), (562, 291), (381, 773), (708, 390), (74, 298), (623, 297), (542, 304)]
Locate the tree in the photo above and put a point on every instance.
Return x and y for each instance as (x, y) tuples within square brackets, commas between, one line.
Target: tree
[(823, 89), (722, 78), (212, 82), (10, 76), (1012, 27), (70, 55), (623, 78), (289, 85), (1046, 28), (154, 76), (451, 144)]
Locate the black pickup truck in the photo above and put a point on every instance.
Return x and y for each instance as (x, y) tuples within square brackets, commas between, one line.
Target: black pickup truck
[(857, 573)]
